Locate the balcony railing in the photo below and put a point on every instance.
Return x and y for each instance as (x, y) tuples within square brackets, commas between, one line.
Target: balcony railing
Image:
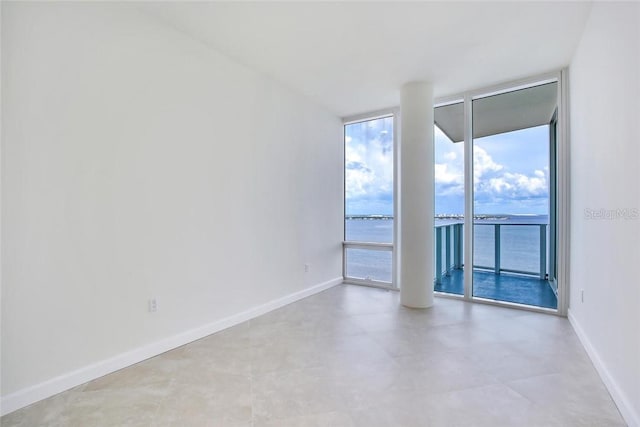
[(449, 248), (453, 236), (449, 255)]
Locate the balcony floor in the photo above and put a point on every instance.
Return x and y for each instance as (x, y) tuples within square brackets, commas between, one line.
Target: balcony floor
[(503, 287)]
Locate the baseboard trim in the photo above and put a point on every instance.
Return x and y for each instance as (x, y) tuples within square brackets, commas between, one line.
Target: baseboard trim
[(619, 397), (35, 393)]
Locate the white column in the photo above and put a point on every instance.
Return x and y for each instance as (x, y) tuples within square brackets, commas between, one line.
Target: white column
[(416, 195)]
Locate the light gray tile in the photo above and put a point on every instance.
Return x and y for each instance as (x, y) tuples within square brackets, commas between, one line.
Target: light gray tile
[(397, 410), (492, 405), (329, 419), (284, 354), (353, 356), (43, 413), (444, 372), (297, 393), (573, 399), (112, 406), (221, 400), (405, 342)]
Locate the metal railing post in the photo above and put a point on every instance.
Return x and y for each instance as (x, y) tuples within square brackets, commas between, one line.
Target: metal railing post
[(496, 246), (447, 245), (458, 252), (543, 251), (456, 248), (438, 254)]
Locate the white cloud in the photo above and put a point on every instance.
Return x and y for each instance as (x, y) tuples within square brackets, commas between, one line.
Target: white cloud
[(483, 164), (514, 186), (449, 167), (492, 180), (449, 180), (369, 168), (536, 184), (451, 155), (445, 174), (517, 184)]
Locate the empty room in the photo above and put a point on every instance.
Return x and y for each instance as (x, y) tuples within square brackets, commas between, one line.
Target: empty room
[(319, 213)]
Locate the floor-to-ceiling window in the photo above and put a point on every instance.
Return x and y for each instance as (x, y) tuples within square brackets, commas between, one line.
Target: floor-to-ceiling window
[(497, 195), (449, 197), (369, 201), (511, 203)]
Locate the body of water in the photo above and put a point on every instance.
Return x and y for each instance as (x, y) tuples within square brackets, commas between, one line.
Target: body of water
[(519, 244)]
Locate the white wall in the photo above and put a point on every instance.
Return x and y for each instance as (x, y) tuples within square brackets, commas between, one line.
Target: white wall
[(605, 162), (137, 162)]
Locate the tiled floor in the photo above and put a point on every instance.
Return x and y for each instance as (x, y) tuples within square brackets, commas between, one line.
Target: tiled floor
[(503, 287), (352, 356)]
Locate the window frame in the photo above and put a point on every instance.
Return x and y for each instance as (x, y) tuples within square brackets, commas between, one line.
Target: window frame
[(562, 182), (391, 247)]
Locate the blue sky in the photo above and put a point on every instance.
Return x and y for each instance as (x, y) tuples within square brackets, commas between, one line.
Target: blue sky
[(510, 171)]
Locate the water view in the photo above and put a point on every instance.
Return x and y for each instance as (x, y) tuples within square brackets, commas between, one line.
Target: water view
[(512, 171), (520, 243)]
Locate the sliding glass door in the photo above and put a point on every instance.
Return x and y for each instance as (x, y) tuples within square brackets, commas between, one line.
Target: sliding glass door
[(449, 198), (495, 195), (511, 195)]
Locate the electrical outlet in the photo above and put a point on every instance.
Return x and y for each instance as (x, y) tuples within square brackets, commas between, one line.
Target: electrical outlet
[(153, 305), (581, 295), (307, 268)]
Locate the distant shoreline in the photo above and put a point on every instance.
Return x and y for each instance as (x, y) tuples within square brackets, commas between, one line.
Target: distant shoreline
[(496, 217)]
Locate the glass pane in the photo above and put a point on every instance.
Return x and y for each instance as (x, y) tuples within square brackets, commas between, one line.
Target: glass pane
[(449, 197), (368, 264), (520, 248), (483, 245), (369, 181), (368, 229), (449, 259)]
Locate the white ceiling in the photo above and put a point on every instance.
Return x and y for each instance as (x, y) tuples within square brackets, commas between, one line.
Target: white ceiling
[(353, 57)]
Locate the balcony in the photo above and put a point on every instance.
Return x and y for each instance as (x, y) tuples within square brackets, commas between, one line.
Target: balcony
[(510, 259), (510, 262)]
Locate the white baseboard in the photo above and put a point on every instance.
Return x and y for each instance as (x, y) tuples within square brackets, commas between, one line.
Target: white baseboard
[(619, 397), (56, 385)]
